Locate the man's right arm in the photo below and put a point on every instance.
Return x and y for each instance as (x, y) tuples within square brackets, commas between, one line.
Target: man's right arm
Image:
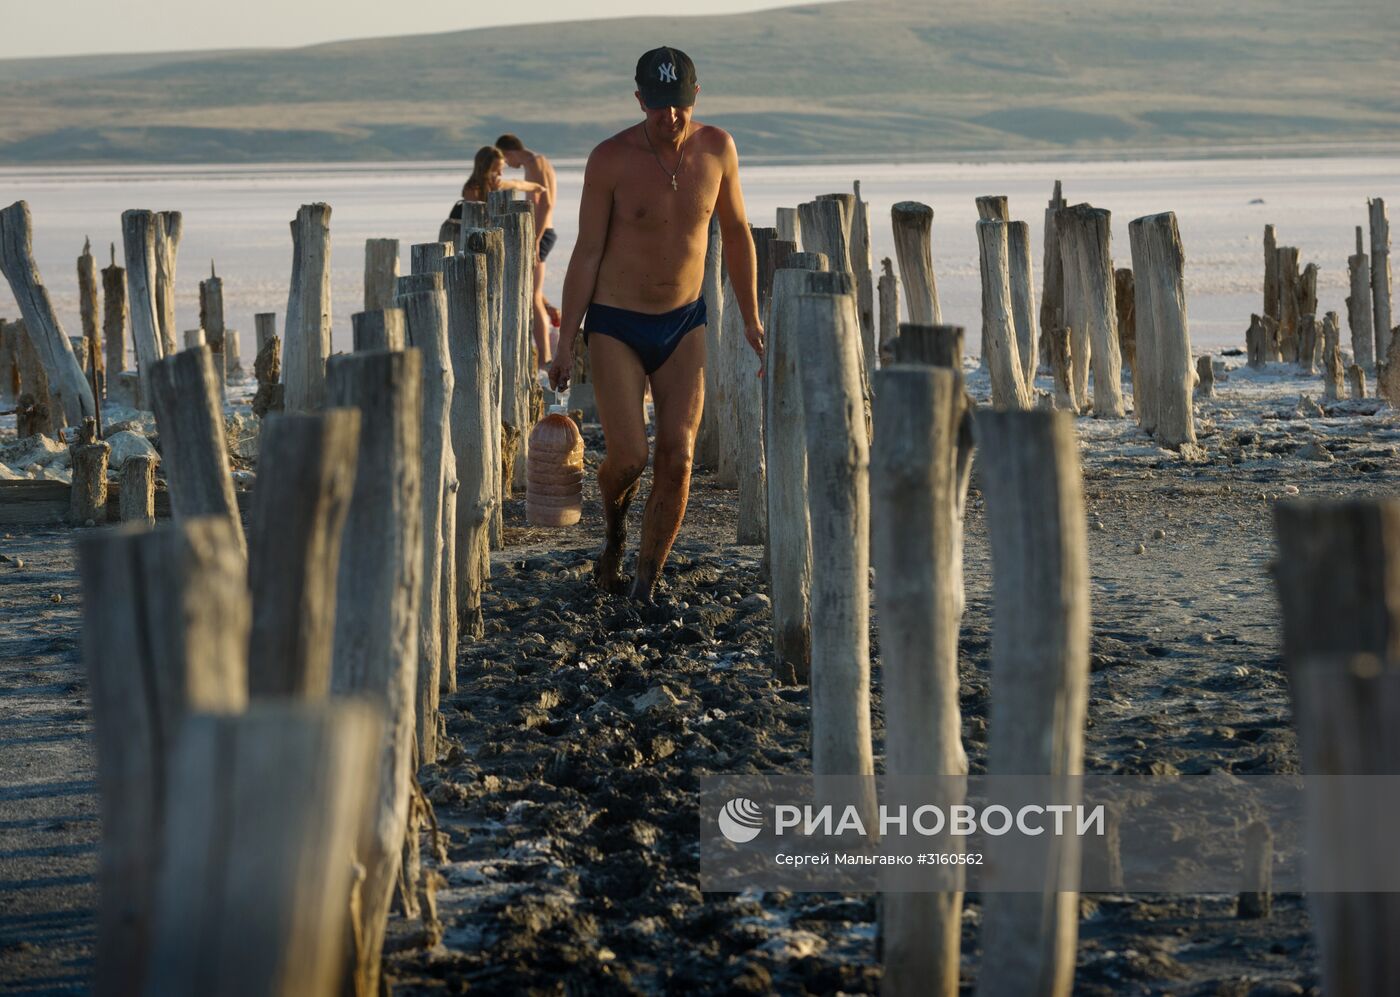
[(594, 213)]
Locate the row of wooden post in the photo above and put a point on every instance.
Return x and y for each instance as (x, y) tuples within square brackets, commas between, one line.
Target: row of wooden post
[(323, 641)]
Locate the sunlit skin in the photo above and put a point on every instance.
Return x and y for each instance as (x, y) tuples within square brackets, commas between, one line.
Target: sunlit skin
[(641, 246), (539, 170)]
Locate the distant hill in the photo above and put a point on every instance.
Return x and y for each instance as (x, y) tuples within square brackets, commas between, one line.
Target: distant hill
[(876, 78)]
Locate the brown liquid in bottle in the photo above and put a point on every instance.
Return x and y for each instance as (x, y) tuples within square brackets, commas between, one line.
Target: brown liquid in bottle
[(554, 472)]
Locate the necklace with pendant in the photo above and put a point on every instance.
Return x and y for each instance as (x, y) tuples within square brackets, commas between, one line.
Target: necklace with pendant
[(679, 163)]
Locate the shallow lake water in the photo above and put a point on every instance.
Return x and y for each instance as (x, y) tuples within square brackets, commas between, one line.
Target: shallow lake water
[(238, 217)]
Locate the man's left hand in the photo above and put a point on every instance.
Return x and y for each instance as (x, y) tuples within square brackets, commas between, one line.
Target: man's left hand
[(754, 334)]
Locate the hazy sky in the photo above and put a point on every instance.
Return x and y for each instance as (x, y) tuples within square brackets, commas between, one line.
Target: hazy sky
[(91, 26)]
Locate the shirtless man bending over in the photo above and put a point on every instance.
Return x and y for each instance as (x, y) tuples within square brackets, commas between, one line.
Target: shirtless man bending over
[(636, 270), (538, 169)]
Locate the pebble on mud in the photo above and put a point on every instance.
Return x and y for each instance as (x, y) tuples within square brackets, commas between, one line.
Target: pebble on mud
[(1142, 548), (55, 598)]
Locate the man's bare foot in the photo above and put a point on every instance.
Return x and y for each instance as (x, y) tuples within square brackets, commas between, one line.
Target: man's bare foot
[(643, 590), (607, 569)]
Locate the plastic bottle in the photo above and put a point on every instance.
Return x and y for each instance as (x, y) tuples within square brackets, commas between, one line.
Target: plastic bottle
[(554, 471)]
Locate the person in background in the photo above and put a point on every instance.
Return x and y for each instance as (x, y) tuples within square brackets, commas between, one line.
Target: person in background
[(486, 177), (538, 169)]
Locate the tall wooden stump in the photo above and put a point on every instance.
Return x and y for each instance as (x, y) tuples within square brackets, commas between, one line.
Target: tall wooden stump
[(930, 345), (918, 415), (1380, 274), (709, 438), (264, 329), (789, 226), (861, 269), (165, 631), (1340, 601), (993, 207), (37, 411), (1334, 373), (88, 493), (1125, 305), (1018, 247), (66, 382), (748, 392), (1289, 294), (838, 471), (1271, 272), (1052, 296), (1359, 307), (9, 364), (426, 314), (428, 257), (378, 589), (114, 316), (475, 423), (490, 245), (88, 308), (194, 446), (211, 320), (1165, 351), (913, 233), (306, 472), (169, 229), (789, 534), (517, 367), (139, 242), (255, 888), (307, 335), (826, 228), (1040, 665), (1089, 305), (889, 311), (998, 325), (381, 272), (1309, 342)]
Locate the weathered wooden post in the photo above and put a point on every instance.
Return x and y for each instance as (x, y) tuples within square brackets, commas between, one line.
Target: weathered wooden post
[(306, 472), (489, 243), (264, 328), (66, 382), (194, 446), (37, 413), (1205, 377), (1338, 594), (1289, 292), (789, 534), (993, 207), (1307, 293), (426, 319), (211, 320), (475, 214), (195, 337), (930, 345), (998, 326), (865, 287), (1089, 306), (378, 590), (517, 370), (267, 368), (833, 236), (1271, 274), (1380, 274), (710, 436), (381, 273), (1040, 662), (9, 364), (1161, 299), (1125, 305), (1356, 382), (838, 469), (913, 233), (1052, 296), (913, 469), (381, 330), (137, 498), (114, 316), (1308, 328), (307, 335), (169, 229), (889, 311), (789, 226), (87, 310), (1018, 247), (427, 257), (1253, 342), (748, 392), (475, 420), (1334, 374), (255, 887), (88, 493), (1359, 306), (165, 631)]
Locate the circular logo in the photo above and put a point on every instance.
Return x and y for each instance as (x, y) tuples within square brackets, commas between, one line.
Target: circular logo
[(740, 820)]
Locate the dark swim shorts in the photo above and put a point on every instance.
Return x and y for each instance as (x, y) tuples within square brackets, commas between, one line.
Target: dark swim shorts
[(652, 337), (547, 242)]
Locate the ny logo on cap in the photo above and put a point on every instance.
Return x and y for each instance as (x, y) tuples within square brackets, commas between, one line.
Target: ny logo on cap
[(667, 71)]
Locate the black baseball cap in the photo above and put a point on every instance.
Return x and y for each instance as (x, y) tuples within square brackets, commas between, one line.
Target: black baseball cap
[(666, 78)]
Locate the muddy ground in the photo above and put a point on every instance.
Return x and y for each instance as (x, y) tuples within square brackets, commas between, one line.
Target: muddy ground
[(568, 787)]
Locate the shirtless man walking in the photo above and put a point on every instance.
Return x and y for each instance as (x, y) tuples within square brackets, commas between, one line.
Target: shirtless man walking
[(636, 270), (540, 170)]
